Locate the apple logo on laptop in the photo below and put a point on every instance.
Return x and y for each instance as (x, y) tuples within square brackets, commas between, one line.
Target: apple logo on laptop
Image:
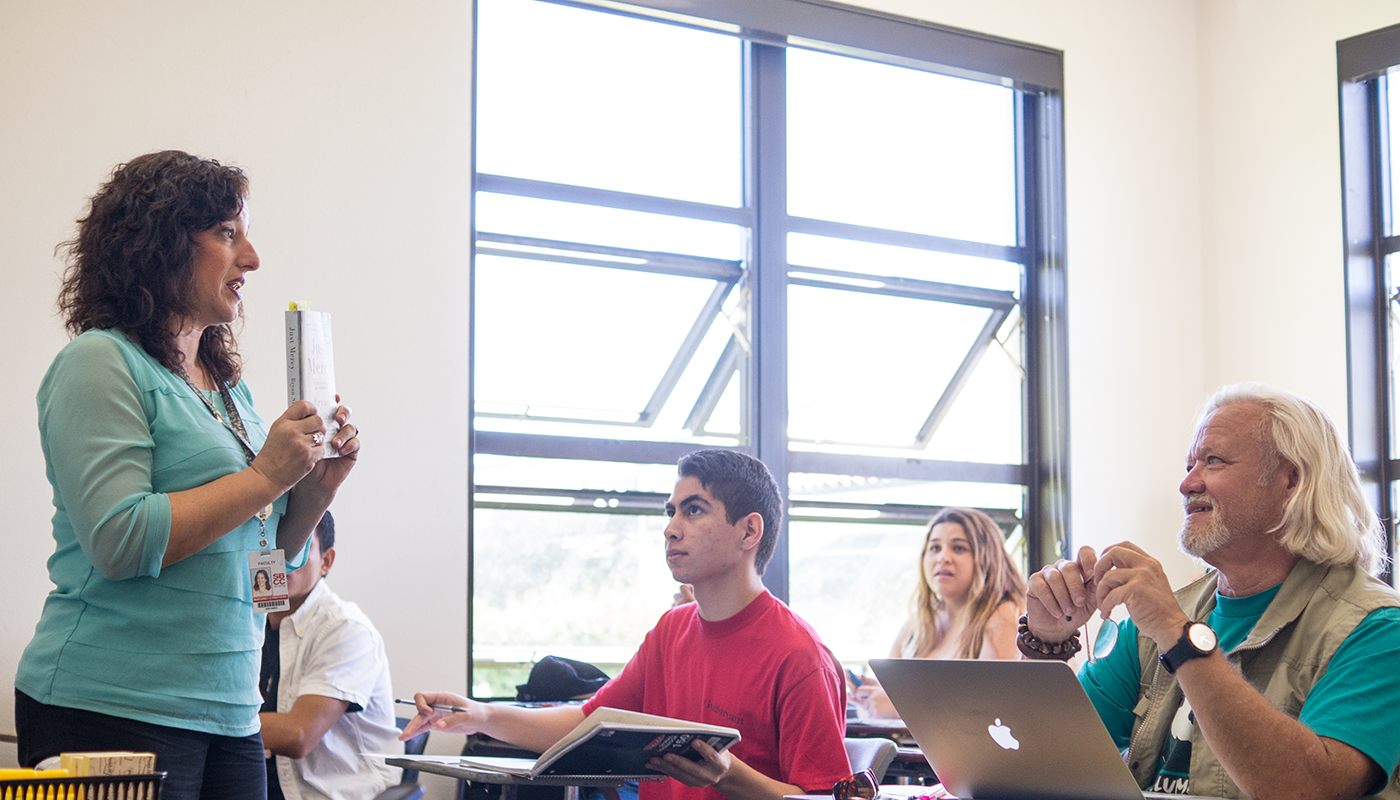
[(1002, 736)]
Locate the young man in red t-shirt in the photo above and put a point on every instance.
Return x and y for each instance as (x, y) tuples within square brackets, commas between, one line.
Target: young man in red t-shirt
[(736, 656)]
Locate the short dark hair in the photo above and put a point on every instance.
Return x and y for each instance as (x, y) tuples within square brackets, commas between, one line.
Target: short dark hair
[(745, 486), (325, 532), (129, 267)]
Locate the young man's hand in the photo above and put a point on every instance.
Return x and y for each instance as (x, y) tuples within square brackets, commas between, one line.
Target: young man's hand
[(467, 720), (728, 774), (534, 729), (695, 774)]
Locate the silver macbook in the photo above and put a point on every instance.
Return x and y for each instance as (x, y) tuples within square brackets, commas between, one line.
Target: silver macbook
[(997, 730)]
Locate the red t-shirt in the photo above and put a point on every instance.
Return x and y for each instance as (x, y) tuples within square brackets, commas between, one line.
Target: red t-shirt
[(763, 671)]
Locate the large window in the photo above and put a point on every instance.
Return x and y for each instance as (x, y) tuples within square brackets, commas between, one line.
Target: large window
[(826, 237), (1369, 96)]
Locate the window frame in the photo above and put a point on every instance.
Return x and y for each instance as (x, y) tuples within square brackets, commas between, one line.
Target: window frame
[(766, 28), (1362, 66)]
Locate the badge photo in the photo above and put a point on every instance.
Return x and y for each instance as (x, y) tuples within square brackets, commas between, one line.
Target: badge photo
[(267, 574)]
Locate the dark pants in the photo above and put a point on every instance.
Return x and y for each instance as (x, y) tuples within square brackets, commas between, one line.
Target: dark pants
[(198, 766)]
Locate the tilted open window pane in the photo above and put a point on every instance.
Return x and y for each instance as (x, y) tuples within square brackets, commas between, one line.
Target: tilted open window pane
[(984, 423), (573, 343), (890, 147), (589, 316), (597, 225), (880, 371), (572, 96), (902, 262)]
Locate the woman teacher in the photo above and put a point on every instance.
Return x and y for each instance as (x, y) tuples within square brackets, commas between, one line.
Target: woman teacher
[(166, 484)]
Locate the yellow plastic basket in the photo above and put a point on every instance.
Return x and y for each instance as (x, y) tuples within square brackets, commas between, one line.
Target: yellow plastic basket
[(96, 787)]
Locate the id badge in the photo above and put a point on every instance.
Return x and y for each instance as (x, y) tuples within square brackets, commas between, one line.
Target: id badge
[(267, 570)]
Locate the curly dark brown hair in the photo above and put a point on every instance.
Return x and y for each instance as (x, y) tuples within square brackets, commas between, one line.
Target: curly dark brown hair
[(129, 267)]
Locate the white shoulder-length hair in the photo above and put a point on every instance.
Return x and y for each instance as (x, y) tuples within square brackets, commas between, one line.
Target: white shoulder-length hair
[(1327, 520)]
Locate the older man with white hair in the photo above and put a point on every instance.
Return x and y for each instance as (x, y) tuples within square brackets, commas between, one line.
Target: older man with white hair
[(1278, 672)]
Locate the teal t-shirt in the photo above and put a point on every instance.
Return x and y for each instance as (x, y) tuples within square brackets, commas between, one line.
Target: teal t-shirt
[(120, 634), (1357, 701)]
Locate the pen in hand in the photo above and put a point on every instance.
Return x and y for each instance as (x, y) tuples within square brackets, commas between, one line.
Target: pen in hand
[(454, 709)]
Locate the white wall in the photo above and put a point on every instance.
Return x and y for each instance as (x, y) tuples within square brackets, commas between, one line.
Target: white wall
[(1271, 191), (1204, 240), (352, 120), (1134, 218), (1204, 224)]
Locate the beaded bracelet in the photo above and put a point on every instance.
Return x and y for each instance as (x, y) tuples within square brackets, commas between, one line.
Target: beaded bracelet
[(1032, 647)]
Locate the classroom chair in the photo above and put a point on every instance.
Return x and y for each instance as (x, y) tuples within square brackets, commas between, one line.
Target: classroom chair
[(412, 747), (875, 755)]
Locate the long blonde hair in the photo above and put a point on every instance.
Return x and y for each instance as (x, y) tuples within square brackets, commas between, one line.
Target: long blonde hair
[(996, 581), (1327, 519)]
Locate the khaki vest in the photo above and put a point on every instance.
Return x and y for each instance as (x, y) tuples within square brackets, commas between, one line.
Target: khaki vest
[(1285, 654)]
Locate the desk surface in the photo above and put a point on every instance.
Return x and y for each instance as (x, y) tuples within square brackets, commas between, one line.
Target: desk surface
[(887, 792), (888, 728), (446, 765)]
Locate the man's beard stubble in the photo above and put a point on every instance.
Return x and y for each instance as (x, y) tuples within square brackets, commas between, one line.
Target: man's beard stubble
[(1200, 540)]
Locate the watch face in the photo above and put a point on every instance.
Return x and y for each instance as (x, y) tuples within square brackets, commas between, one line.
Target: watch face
[(1202, 637)]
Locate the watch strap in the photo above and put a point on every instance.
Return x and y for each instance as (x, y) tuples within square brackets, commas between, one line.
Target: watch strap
[(1184, 650)]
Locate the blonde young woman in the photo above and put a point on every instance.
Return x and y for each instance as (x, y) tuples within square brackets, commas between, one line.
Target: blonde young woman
[(969, 597)]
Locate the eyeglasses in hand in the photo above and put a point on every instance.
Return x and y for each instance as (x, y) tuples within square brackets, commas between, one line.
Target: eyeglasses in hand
[(860, 786), (1103, 642)]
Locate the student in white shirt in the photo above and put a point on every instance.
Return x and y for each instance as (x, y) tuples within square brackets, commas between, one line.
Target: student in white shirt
[(326, 691)]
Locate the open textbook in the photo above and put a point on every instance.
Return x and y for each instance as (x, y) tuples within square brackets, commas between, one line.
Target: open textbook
[(615, 743)]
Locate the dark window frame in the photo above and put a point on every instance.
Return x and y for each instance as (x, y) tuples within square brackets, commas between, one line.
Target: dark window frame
[(1362, 66), (767, 26)]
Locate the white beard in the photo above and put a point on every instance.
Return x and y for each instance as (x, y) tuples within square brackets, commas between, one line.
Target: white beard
[(1197, 540)]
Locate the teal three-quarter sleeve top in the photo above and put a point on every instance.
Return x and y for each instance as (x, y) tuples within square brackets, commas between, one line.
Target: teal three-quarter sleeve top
[(120, 635)]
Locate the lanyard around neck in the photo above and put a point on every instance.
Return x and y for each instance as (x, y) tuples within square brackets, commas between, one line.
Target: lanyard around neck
[(234, 423)]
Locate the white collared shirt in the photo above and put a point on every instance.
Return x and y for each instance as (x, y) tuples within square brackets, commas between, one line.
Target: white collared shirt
[(328, 647)]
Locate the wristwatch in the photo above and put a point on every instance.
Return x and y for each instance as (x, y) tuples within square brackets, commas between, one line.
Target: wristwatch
[(1197, 640)]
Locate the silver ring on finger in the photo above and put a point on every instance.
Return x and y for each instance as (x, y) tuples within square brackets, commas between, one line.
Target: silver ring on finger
[(317, 438)]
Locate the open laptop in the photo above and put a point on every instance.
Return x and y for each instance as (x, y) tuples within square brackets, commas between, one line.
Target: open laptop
[(996, 730)]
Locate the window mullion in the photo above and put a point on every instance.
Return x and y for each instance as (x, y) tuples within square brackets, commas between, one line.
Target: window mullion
[(1367, 313), (564, 241), (1041, 153), (766, 118)]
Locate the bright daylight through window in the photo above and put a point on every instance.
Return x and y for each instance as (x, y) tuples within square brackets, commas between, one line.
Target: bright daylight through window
[(1369, 95), (711, 233)]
